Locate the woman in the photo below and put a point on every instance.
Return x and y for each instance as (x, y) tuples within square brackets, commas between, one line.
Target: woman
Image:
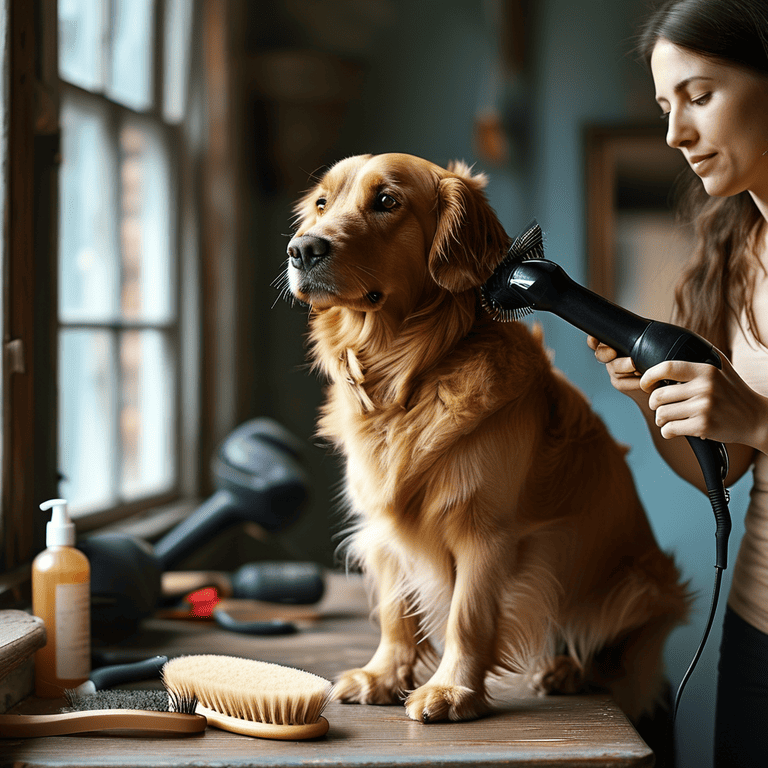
[(709, 61)]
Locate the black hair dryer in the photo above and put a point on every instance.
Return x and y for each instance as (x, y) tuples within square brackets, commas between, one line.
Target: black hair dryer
[(259, 478)]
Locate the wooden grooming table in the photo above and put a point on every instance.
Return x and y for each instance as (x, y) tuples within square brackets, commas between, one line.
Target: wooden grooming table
[(524, 730)]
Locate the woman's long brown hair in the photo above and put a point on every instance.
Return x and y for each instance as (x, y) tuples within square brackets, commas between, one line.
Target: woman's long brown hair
[(719, 280)]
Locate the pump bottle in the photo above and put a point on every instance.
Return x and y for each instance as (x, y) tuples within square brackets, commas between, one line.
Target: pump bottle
[(61, 594)]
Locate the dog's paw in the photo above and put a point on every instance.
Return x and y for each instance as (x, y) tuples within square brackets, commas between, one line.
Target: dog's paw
[(362, 686), (563, 675), (432, 703)]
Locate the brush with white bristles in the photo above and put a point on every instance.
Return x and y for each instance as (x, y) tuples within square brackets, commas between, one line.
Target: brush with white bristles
[(254, 698)]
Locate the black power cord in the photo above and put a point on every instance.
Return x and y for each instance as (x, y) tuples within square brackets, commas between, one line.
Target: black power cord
[(700, 649), (714, 477)]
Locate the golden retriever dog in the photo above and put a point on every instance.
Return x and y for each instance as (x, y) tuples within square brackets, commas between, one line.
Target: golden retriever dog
[(490, 507)]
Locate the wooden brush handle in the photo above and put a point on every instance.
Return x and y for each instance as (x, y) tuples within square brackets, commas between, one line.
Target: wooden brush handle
[(264, 730), (63, 723)]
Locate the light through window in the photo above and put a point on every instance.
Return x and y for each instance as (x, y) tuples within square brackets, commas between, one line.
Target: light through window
[(118, 306)]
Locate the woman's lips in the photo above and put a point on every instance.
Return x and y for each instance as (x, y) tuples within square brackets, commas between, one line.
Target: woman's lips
[(699, 161)]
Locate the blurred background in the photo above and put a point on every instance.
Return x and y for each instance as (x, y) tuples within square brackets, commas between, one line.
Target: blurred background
[(187, 130)]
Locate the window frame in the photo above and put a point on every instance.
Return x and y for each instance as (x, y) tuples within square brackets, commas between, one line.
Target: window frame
[(28, 456)]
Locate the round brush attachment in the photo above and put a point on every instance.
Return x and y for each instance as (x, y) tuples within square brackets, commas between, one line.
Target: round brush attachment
[(499, 296)]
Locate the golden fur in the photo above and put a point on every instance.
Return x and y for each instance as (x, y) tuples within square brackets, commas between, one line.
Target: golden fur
[(488, 503)]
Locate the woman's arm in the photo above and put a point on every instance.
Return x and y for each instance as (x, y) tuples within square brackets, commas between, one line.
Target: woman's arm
[(709, 403)]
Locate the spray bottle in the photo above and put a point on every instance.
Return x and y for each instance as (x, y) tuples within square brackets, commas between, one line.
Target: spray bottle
[(61, 594)]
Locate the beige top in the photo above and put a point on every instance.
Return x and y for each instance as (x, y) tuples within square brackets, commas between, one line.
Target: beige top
[(749, 588)]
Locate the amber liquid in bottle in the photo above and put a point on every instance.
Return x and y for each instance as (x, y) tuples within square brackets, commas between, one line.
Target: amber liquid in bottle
[(61, 598)]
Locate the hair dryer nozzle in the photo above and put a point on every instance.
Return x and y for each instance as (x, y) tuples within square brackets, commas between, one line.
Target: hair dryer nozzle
[(500, 296)]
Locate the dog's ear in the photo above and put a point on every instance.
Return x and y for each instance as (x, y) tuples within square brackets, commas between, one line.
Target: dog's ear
[(469, 241)]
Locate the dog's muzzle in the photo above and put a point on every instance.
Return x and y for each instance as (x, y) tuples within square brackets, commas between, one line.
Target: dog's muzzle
[(307, 251)]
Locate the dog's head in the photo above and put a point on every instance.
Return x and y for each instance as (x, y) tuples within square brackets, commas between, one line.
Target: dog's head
[(378, 230)]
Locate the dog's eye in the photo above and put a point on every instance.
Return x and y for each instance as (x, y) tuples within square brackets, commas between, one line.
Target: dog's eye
[(385, 202), (320, 204)]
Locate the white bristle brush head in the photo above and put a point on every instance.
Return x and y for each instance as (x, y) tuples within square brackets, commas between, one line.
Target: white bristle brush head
[(255, 698)]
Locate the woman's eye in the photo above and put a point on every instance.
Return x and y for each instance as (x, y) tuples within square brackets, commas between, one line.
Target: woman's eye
[(320, 204), (385, 202), (699, 101)]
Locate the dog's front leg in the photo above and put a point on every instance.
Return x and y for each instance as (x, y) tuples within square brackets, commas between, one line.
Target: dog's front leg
[(456, 691), (387, 677)]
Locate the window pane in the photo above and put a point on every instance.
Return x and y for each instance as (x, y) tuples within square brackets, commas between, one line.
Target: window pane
[(130, 79), (88, 265), (145, 231), (81, 42), (87, 392), (147, 403), (178, 34)]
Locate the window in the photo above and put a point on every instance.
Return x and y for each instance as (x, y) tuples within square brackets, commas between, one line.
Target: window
[(121, 261), (124, 66)]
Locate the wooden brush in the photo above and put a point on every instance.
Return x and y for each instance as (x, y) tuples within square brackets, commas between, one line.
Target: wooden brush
[(250, 697)]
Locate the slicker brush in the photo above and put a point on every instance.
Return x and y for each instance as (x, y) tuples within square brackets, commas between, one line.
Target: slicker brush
[(253, 698), (112, 710)]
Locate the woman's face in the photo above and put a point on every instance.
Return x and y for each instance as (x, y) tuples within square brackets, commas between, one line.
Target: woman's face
[(718, 118)]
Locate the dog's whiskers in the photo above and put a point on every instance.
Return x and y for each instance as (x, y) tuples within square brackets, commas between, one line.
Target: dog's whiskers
[(283, 286)]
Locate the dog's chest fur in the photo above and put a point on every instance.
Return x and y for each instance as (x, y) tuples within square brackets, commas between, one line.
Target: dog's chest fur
[(406, 422)]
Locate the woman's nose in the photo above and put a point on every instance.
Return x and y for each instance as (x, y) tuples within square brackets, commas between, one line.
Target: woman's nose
[(680, 133)]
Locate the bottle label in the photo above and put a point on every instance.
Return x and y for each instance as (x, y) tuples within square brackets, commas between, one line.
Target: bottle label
[(73, 631)]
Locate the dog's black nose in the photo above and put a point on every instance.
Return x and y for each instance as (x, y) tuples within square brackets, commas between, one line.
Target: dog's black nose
[(305, 251)]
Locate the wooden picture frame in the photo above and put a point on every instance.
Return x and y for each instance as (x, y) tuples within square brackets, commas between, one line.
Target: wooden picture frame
[(630, 176)]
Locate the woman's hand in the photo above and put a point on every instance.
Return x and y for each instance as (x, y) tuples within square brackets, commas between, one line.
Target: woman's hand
[(707, 402), (624, 376), (710, 403)]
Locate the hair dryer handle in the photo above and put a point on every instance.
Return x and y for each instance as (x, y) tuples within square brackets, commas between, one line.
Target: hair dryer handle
[(197, 529), (713, 460), (711, 455)]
